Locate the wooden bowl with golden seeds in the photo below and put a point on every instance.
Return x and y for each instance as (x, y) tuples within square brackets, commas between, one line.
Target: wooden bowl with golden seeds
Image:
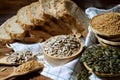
[(106, 24)]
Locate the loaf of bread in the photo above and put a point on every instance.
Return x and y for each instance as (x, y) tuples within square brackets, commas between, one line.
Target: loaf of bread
[(47, 9), (68, 16), (45, 18)]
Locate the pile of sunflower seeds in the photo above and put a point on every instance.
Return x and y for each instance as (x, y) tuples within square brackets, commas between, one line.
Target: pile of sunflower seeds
[(62, 45), (20, 57)]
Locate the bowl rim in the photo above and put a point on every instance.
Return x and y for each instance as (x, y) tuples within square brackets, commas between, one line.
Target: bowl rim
[(100, 33), (107, 41), (67, 57), (99, 74)]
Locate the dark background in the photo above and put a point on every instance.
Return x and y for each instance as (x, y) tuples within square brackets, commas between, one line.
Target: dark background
[(10, 7)]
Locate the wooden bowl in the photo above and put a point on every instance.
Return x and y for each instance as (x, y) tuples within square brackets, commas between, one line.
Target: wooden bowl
[(97, 58), (57, 61), (99, 74), (107, 42), (100, 23), (114, 39)]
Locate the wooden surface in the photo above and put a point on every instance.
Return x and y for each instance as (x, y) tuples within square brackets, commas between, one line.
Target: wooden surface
[(9, 8), (9, 69)]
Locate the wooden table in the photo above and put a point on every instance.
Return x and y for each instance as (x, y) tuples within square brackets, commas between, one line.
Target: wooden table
[(9, 8)]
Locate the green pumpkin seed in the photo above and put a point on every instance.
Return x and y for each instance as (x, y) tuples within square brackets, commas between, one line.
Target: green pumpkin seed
[(102, 59)]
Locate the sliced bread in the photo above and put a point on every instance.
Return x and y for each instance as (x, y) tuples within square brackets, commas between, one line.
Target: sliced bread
[(57, 20), (44, 9), (33, 15), (39, 34), (52, 30), (23, 20), (31, 40), (72, 16), (36, 35), (49, 13), (14, 29), (4, 36)]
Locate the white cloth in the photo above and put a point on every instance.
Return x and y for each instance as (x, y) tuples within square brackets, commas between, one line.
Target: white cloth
[(64, 72)]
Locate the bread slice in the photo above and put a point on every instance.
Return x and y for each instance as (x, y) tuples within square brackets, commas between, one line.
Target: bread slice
[(44, 9), (33, 36), (57, 20), (49, 13), (72, 16), (53, 12), (33, 15), (31, 40), (50, 29), (14, 29), (66, 14), (4, 36), (39, 34), (56, 29), (23, 20)]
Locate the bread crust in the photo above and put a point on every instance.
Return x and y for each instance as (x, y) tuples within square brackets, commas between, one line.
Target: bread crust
[(73, 17), (42, 34), (36, 20), (31, 40), (14, 34), (3, 33), (27, 25)]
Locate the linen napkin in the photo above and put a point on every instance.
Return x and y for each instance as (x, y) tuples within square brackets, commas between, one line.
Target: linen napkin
[(70, 70), (64, 72)]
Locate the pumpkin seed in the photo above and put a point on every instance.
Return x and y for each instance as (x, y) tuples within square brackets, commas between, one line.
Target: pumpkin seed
[(104, 59)]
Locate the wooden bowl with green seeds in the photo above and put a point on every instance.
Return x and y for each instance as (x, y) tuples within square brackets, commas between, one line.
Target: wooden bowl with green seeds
[(104, 61)]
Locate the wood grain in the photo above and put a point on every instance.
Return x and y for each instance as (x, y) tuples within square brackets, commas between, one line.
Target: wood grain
[(9, 8), (8, 70), (12, 6)]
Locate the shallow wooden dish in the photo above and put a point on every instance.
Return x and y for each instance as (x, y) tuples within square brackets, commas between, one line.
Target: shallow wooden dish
[(5, 71), (103, 33), (107, 42), (57, 61)]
